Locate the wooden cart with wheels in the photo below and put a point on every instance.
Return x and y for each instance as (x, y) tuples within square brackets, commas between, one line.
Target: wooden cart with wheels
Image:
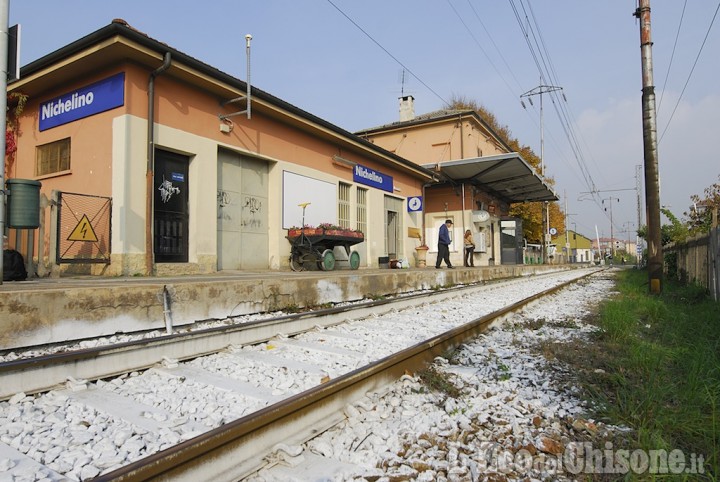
[(316, 249)]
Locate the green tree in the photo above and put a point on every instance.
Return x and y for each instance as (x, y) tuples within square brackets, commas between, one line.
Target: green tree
[(675, 232), (700, 216)]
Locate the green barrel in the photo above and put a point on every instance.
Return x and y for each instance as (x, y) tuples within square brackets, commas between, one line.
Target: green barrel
[(23, 207)]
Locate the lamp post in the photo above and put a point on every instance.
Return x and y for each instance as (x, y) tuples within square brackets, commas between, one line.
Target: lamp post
[(540, 90)]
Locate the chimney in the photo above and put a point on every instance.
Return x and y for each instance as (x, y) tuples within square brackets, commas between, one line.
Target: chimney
[(407, 109)]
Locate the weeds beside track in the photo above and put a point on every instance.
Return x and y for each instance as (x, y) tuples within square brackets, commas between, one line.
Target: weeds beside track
[(654, 366)]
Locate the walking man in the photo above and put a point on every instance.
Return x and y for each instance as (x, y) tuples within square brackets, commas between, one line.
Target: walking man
[(444, 245)]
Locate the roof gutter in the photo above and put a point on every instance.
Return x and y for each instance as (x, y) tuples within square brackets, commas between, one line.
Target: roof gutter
[(149, 176)]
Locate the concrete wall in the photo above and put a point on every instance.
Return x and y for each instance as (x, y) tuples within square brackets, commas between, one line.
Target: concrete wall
[(77, 309)]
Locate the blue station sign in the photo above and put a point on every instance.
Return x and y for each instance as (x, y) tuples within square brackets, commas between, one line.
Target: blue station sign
[(370, 177), (83, 102)]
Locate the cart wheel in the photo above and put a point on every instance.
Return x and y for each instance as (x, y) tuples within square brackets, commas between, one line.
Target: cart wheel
[(354, 260), (327, 260), (296, 264)]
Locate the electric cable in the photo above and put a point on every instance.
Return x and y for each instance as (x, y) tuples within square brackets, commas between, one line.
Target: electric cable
[(387, 52), (672, 56), (690, 74)]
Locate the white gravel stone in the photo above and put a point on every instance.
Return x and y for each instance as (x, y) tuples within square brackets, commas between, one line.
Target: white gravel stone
[(392, 421)]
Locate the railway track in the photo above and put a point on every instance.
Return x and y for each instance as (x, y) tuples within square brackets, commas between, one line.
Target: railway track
[(181, 442)]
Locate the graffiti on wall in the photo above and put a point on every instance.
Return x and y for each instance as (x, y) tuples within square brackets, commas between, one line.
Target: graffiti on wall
[(167, 190), (252, 210)]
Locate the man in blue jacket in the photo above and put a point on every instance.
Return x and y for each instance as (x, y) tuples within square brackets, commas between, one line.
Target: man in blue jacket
[(444, 245)]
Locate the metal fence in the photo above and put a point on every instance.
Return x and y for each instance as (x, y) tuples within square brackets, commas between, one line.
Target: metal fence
[(83, 234), (697, 260)]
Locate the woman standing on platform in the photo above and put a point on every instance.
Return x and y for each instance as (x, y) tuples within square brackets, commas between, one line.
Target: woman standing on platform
[(469, 249)]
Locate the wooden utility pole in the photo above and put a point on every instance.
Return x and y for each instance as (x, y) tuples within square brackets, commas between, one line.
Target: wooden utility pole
[(652, 175)]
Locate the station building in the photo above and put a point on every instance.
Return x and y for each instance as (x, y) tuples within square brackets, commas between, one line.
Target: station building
[(152, 162), (479, 178)]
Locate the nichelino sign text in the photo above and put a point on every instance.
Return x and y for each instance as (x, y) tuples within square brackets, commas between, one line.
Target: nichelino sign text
[(83, 102), (369, 177)]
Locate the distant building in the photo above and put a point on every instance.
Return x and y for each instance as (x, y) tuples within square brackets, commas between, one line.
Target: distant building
[(579, 249), (609, 245), (479, 178)]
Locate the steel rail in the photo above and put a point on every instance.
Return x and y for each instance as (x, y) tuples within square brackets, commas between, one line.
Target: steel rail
[(233, 450), (38, 374)]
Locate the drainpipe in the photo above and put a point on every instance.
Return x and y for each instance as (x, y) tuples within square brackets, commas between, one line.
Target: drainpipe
[(149, 252), (424, 237), (462, 139), (167, 310), (463, 218)]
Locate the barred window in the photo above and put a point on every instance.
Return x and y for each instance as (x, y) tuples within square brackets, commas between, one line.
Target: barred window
[(362, 210), (52, 157), (344, 204)]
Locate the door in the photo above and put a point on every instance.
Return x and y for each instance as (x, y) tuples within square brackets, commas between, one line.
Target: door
[(229, 210), (242, 212), (511, 241), (170, 216), (391, 234), (393, 226)]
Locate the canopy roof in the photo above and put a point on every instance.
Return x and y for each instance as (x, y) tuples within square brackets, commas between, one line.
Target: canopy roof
[(507, 176)]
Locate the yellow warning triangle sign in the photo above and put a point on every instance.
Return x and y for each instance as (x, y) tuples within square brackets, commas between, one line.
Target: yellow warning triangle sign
[(83, 231)]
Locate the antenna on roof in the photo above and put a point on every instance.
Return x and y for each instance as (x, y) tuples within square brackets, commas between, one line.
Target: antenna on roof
[(403, 78)]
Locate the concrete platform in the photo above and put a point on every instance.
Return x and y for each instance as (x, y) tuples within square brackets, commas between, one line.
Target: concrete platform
[(45, 310)]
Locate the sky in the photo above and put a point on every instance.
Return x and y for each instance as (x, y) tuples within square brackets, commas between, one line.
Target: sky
[(343, 61)]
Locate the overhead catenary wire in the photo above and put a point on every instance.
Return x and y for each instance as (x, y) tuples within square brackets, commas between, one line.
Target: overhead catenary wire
[(672, 56), (707, 34), (566, 113), (420, 80), (387, 52), (479, 45), (541, 57), (512, 74), (497, 49), (515, 94), (547, 75)]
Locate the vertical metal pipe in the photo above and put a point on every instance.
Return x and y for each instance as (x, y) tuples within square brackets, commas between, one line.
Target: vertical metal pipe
[(167, 311), (149, 176), (248, 38), (652, 175), (463, 214)]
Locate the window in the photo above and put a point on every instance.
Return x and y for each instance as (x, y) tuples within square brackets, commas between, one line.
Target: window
[(362, 210), (344, 205), (53, 157)]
